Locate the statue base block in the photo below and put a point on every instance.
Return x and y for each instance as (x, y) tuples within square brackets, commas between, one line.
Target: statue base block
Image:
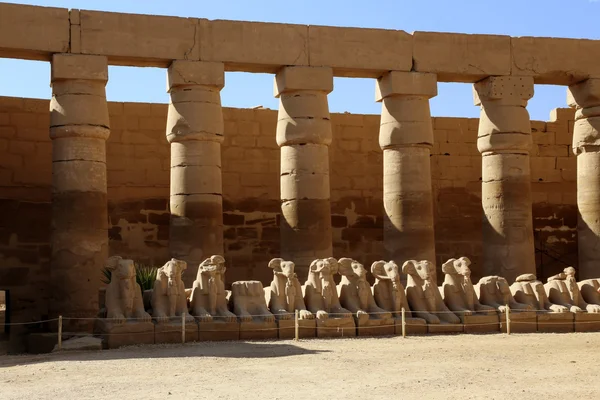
[(307, 328), (336, 327), (480, 323), (444, 327), (125, 334), (587, 322), (555, 322), (218, 331), (170, 332), (520, 322), (414, 326), (258, 329), (375, 327)]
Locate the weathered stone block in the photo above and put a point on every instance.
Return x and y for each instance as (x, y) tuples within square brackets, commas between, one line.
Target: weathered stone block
[(587, 322), (461, 58), (218, 331), (555, 322), (258, 329), (375, 327), (406, 83), (307, 328), (170, 332), (359, 52), (253, 46), (479, 323), (414, 326), (520, 322), (126, 334), (139, 40), (444, 328), (336, 327), (33, 33)]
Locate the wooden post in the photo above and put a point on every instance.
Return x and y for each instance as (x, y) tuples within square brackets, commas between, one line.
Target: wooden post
[(60, 332), (507, 319), (296, 328), (183, 328), (403, 322)]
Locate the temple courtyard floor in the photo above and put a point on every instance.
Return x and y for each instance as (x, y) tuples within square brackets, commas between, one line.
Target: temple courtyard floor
[(554, 366)]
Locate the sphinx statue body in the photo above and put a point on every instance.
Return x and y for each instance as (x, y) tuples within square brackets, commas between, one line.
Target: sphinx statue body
[(248, 303)]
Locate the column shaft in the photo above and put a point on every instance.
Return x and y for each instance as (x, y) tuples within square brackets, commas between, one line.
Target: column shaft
[(195, 131), (504, 140), (79, 127), (406, 137), (304, 135), (585, 96)]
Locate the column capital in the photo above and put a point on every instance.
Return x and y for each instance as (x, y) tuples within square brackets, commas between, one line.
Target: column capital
[(399, 83), (191, 73), (79, 67), (584, 94), (511, 90), (289, 79)]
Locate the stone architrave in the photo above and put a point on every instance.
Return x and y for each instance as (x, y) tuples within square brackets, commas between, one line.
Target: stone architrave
[(460, 297), (585, 96), (504, 141), (406, 138), (126, 321), (195, 132), (284, 298), (494, 291), (425, 299), (355, 295), (248, 302), (389, 295), (208, 302), (79, 127), (304, 135), (550, 317), (321, 298)]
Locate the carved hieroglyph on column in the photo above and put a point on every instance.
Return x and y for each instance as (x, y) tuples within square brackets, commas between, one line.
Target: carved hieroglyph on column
[(586, 145), (504, 141), (79, 127), (195, 131), (406, 137), (304, 135)]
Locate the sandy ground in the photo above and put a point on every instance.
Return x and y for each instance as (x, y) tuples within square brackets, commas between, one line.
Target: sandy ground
[(551, 366)]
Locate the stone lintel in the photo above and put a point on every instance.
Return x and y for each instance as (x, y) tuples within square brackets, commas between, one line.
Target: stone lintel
[(77, 66), (584, 94), (186, 73), (303, 78), (511, 89), (406, 83)]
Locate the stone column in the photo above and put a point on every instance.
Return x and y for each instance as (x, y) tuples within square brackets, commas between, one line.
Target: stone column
[(406, 138), (585, 96), (79, 127), (504, 140), (304, 134), (195, 131)]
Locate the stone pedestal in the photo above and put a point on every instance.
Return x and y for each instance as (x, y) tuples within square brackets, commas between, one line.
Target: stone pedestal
[(79, 127), (258, 329), (218, 331), (414, 326), (376, 327), (504, 140), (480, 323), (445, 328), (585, 96), (555, 322), (195, 132), (406, 138), (307, 328), (170, 332), (125, 334), (520, 322), (587, 322), (304, 135), (336, 327)]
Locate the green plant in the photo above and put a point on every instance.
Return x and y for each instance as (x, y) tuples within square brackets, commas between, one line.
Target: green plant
[(145, 275)]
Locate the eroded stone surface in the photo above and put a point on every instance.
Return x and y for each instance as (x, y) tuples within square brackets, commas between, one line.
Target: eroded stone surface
[(208, 299), (284, 296), (168, 296)]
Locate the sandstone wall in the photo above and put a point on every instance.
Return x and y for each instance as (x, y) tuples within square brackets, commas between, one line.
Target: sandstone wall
[(138, 190)]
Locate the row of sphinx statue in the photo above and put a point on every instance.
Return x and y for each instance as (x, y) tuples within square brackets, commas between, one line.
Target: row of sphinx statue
[(321, 298)]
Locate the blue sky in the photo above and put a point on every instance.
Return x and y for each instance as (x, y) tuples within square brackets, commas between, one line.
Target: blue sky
[(555, 18)]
